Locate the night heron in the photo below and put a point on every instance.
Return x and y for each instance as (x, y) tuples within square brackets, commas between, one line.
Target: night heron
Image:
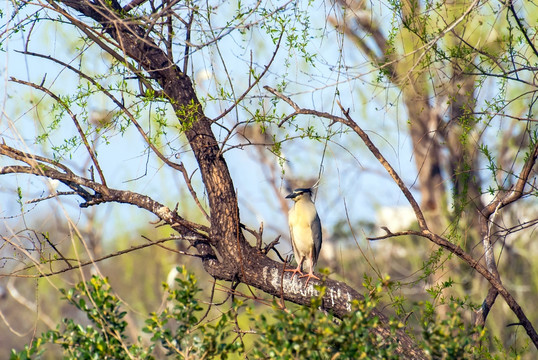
[(305, 231)]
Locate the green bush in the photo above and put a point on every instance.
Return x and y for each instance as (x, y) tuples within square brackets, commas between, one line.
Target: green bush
[(103, 339), (448, 337), (310, 333), (180, 331)]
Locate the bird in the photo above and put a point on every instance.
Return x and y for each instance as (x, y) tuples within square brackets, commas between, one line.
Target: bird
[(305, 231)]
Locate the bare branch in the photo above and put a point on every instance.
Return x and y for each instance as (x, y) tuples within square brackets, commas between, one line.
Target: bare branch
[(105, 257), (101, 193), (390, 234)]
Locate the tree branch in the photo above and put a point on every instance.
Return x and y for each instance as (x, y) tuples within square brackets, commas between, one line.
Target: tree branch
[(105, 257), (510, 5), (237, 260), (500, 202), (177, 166), (102, 194)]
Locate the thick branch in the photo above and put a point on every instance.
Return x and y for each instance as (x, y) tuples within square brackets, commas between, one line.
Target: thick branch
[(178, 88)]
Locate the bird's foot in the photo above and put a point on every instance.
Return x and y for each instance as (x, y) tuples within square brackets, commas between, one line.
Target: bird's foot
[(295, 271), (309, 276)]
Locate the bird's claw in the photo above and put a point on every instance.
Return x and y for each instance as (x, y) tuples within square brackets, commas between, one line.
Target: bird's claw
[(295, 271), (309, 276)]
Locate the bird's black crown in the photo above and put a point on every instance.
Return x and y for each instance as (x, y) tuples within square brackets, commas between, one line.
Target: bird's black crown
[(298, 192)]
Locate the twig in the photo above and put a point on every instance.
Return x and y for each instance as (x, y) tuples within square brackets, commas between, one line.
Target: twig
[(210, 303), (89, 262), (56, 194), (159, 244), (62, 257), (245, 93), (390, 234), (187, 39), (188, 182), (74, 117), (510, 4), (271, 246)]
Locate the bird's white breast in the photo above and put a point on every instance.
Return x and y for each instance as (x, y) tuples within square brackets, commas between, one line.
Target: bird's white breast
[(301, 216)]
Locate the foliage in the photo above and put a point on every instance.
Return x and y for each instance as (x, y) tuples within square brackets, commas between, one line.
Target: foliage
[(296, 332), (310, 333), (103, 338), (178, 329), (175, 328), (449, 337)]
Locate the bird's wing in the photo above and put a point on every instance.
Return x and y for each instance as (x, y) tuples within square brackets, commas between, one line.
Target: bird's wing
[(316, 236)]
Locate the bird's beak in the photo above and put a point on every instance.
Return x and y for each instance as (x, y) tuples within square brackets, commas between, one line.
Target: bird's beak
[(291, 196)]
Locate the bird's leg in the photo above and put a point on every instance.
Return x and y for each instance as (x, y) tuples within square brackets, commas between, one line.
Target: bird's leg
[(297, 269), (310, 275)]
